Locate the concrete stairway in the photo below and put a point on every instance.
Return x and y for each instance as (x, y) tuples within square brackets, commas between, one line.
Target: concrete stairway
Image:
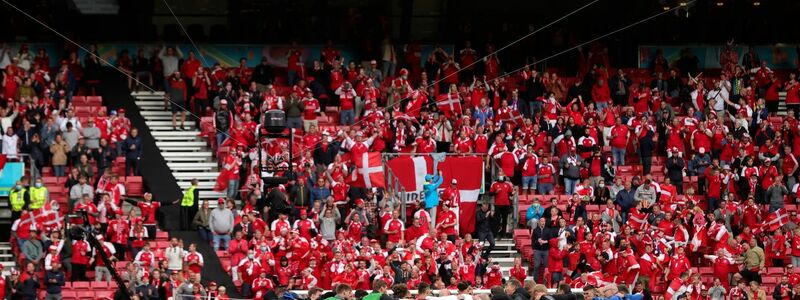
[(187, 154)]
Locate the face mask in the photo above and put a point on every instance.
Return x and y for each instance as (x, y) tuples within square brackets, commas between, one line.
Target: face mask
[(251, 256), (263, 248), (38, 184), (18, 187), (601, 185)]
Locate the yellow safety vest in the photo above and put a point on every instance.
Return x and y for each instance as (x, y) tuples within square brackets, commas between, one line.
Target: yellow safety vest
[(38, 197), (188, 197), (17, 199)]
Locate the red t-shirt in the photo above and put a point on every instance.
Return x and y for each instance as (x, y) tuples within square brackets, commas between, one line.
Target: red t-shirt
[(502, 192)]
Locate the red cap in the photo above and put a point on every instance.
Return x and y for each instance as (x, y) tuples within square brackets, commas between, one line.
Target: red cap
[(403, 71), (359, 201), (303, 212), (221, 200), (121, 111)]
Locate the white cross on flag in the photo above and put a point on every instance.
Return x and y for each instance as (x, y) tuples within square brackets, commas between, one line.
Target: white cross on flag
[(512, 116), (449, 104), (369, 171), (775, 220)]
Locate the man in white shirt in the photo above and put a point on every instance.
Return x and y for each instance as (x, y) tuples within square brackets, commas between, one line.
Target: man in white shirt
[(10, 143)]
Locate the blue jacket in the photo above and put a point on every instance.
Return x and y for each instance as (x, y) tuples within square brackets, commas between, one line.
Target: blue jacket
[(431, 194), (534, 212), (320, 193), (54, 287)]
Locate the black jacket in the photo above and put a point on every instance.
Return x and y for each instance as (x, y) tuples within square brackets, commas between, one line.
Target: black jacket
[(326, 157), (29, 287), (300, 195), (483, 223), (263, 74), (541, 233), (647, 145), (675, 166), (520, 294), (58, 278), (776, 293)]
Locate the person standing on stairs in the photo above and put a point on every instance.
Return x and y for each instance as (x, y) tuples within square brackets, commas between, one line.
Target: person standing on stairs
[(133, 152), (189, 205), (223, 119), (220, 221), (177, 93)]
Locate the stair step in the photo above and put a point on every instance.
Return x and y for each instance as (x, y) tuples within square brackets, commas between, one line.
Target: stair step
[(201, 185), (212, 195), (187, 138), (187, 158), (158, 118), (167, 123), (186, 154), (178, 149), (169, 128), (147, 93), (150, 103), (192, 166), (198, 175), (149, 113), (178, 133), (199, 145)]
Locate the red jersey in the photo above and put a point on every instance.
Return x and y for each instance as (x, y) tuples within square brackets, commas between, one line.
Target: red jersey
[(503, 191), (148, 209)]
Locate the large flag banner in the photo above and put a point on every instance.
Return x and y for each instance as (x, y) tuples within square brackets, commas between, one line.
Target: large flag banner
[(46, 216), (774, 220), (411, 172), (369, 171)]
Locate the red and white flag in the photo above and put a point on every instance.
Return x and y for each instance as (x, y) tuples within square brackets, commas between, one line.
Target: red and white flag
[(467, 170), (774, 220), (411, 171), (449, 104), (512, 116), (675, 289), (597, 279), (369, 171), (637, 220), (3, 160), (46, 216)]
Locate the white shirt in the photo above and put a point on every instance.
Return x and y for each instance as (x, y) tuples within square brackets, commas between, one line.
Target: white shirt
[(10, 145)]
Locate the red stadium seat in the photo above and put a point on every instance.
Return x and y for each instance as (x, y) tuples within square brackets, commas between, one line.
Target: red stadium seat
[(134, 186), (99, 285), (774, 271), (95, 100), (85, 295), (81, 285), (68, 295), (49, 180)]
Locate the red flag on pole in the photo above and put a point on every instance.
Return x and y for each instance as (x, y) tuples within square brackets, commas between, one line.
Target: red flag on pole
[(512, 116), (774, 220), (449, 104), (369, 171)]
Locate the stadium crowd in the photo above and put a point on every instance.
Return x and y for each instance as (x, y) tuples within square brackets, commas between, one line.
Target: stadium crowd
[(662, 182)]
